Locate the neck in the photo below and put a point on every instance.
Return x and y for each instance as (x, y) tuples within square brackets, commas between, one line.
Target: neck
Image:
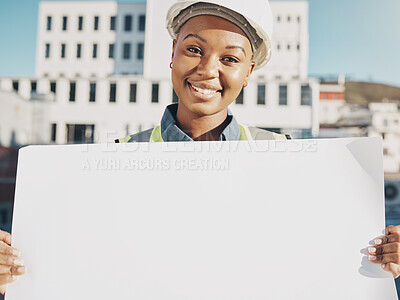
[(201, 128)]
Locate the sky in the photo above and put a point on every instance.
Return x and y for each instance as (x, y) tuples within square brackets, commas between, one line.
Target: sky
[(358, 38)]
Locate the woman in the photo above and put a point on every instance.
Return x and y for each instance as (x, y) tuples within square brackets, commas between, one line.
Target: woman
[(215, 50)]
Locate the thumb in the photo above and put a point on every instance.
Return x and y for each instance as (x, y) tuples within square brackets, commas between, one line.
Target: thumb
[(5, 237), (393, 268)]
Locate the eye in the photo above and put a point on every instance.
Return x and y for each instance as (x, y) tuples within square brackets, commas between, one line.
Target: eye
[(230, 59), (194, 50)]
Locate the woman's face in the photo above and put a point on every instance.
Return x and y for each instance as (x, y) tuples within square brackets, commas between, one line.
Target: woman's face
[(212, 59)]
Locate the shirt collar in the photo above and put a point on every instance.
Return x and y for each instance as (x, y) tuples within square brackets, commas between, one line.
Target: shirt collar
[(170, 132)]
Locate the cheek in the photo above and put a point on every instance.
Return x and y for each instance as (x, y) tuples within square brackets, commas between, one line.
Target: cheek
[(184, 65), (235, 79)]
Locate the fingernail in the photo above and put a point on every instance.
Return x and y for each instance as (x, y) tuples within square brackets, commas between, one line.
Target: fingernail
[(371, 250), (18, 262), (371, 257), (383, 266), (14, 277), (378, 241), (16, 252), (21, 270)]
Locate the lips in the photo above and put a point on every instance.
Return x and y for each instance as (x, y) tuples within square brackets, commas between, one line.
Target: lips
[(204, 90)]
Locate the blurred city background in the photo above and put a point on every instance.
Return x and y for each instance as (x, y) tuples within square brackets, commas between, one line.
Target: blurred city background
[(94, 71)]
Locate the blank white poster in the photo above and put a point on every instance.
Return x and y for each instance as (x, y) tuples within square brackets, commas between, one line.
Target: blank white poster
[(221, 220)]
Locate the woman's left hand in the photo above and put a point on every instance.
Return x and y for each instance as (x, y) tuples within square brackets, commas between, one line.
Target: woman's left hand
[(387, 250)]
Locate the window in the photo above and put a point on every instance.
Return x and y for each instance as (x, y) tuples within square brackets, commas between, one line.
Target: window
[(112, 22), (261, 94), (96, 23), (278, 19), (289, 19), (142, 23), (47, 52), (239, 99), (126, 51), (64, 23), (53, 87), (113, 92), (53, 134), (94, 54), (92, 93), (80, 23), (48, 24), (306, 95), (175, 98), (140, 51), (15, 85), (278, 47), (78, 50), (111, 51), (80, 133), (154, 92), (33, 86), (128, 23), (385, 150), (62, 50), (72, 91), (298, 19), (298, 47), (283, 95), (288, 46), (132, 92)]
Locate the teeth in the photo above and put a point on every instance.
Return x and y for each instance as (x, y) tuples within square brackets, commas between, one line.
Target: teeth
[(206, 92)]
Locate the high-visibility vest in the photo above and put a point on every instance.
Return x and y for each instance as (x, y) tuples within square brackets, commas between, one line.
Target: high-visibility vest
[(246, 134)]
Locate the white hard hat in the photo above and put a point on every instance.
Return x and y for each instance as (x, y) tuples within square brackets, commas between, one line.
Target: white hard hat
[(254, 18)]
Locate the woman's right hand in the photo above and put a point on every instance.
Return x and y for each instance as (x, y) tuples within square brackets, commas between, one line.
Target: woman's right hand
[(11, 265)]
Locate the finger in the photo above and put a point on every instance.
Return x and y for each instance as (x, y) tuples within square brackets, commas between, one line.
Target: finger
[(393, 268), (5, 249), (385, 258), (385, 248), (7, 278), (391, 238), (5, 237), (18, 270), (392, 229), (13, 270), (9, 260)]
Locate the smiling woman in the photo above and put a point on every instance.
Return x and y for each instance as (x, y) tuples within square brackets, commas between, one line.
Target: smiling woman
[(216, 47)]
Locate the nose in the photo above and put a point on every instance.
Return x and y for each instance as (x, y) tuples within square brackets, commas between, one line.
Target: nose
[(208, 67)]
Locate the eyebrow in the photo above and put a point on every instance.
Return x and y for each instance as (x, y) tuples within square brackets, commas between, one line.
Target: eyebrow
[(195, 36), (236, 47)]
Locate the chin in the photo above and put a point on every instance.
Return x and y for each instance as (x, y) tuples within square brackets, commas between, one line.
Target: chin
[(206, 109)]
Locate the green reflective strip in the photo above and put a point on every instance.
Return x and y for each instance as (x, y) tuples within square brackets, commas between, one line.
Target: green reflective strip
[(243, 135), (156, 135), (124, 139)]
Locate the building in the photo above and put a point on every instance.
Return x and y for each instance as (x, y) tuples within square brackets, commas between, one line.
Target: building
[(90, 39), (332, 102), (386, 123), (106, 65)]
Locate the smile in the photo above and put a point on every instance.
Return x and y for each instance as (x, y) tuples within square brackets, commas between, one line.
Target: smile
[(204, 92)]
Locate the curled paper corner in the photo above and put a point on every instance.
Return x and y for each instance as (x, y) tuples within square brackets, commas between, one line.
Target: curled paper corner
[(366, 156)]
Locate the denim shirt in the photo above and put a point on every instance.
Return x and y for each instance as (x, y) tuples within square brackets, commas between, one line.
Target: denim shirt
[(170, 132)]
